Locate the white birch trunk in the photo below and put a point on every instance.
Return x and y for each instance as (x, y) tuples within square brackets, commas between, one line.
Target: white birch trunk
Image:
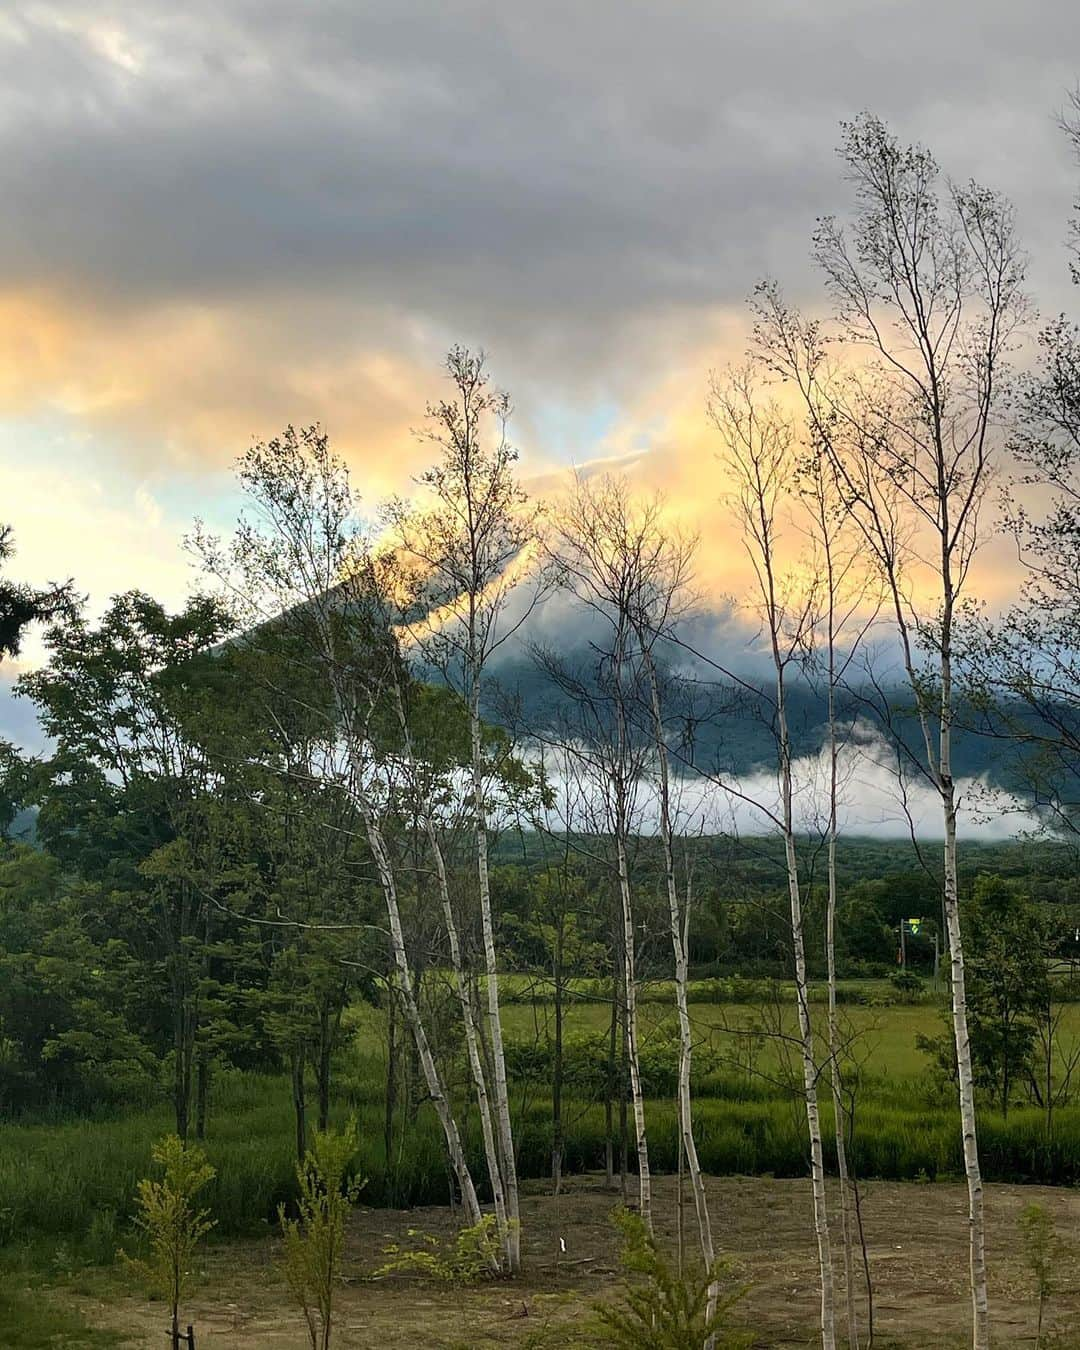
[(806, 1035), (679, 942), (464, 993), (641, 1139), (846, 1220), (491, 970), (972, 1169), (432, 1077)]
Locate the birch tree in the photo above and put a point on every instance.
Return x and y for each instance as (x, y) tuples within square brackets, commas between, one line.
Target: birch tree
[(597, 560), (431, 785), (847, 606), (926, 286), (758, 456), (472, 540)]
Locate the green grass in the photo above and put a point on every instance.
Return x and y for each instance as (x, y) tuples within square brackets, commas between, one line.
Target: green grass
[(30, 1322), (71, 1182)]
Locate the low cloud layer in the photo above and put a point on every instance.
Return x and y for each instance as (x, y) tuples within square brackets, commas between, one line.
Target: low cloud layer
[(873, 802)]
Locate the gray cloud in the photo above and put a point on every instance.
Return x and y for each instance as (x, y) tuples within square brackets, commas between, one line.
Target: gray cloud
[(567, 182)]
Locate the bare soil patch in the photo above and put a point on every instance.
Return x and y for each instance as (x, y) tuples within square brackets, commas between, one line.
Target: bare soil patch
[(917, 1239)]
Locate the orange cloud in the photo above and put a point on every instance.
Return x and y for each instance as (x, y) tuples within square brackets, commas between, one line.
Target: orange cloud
[(186, 386)]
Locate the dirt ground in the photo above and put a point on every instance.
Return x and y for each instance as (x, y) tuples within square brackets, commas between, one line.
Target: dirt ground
[(916, 1238)]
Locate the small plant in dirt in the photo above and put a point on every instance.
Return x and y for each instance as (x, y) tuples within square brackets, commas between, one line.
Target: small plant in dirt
[(664, 1310), (1043, 1252), (472, 1255), (315, 1239), (168, 1216)]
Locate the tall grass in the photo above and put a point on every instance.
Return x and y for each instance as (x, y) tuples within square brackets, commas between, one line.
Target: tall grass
[(75, 1179)]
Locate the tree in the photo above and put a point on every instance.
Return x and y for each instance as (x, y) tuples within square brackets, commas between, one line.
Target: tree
[(471, 544), (314, 1242), (70, 994), (757, 455), (1026, 672), (126, 795), (300, 569), (847, 609), (169, 1216), (927, 292), (1043, 1252), (21, 605), (1008, 985), (596, 558)]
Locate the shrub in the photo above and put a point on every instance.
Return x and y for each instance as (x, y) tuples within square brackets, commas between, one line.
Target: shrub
[(662, 1309), (473, 1255)]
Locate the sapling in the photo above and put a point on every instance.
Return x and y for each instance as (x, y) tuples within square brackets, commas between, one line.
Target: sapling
[(1043, 1250), (173, 1224), (663, 1309), (314, 1241)]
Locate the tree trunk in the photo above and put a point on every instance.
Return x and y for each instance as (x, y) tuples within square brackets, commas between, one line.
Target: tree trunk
[(491, 970), (468, 1014), (202, 1094), (972, 1169), (806, 1036), (680, 926), (299, 1097), (611, 1081), (641, 1141), (391, 1074), (432, 1077), (557, 1072), (322, 1066)]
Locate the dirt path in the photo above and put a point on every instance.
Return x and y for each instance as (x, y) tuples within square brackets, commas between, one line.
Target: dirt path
[(916, 1237)]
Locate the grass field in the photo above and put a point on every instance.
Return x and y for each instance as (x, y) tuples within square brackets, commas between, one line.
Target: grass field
[(70, 1182)]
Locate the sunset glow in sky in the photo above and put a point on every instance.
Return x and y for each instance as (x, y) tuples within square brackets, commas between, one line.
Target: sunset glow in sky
[(220, 217)]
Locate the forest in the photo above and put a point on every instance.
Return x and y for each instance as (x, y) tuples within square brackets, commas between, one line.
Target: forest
[(345, 890)]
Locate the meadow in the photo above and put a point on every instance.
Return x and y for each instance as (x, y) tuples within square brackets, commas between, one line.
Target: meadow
[(66, 1184)]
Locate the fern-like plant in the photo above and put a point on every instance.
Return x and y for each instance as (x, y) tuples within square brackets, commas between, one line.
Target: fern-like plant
[(314, 1240), (664, 1310), (470, 1256)]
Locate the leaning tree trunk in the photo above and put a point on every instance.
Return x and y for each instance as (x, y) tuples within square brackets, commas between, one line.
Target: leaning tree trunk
[(432, 1077), (465, 998), (491, 970)]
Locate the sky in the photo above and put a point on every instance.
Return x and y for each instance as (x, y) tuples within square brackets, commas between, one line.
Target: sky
[(226, 215)]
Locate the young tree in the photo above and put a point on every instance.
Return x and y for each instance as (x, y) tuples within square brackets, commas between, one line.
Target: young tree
[(597, 560), (169, 1216), (846, 609), (927, 288), (757, 455), (314, 1241), (472, 543)]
